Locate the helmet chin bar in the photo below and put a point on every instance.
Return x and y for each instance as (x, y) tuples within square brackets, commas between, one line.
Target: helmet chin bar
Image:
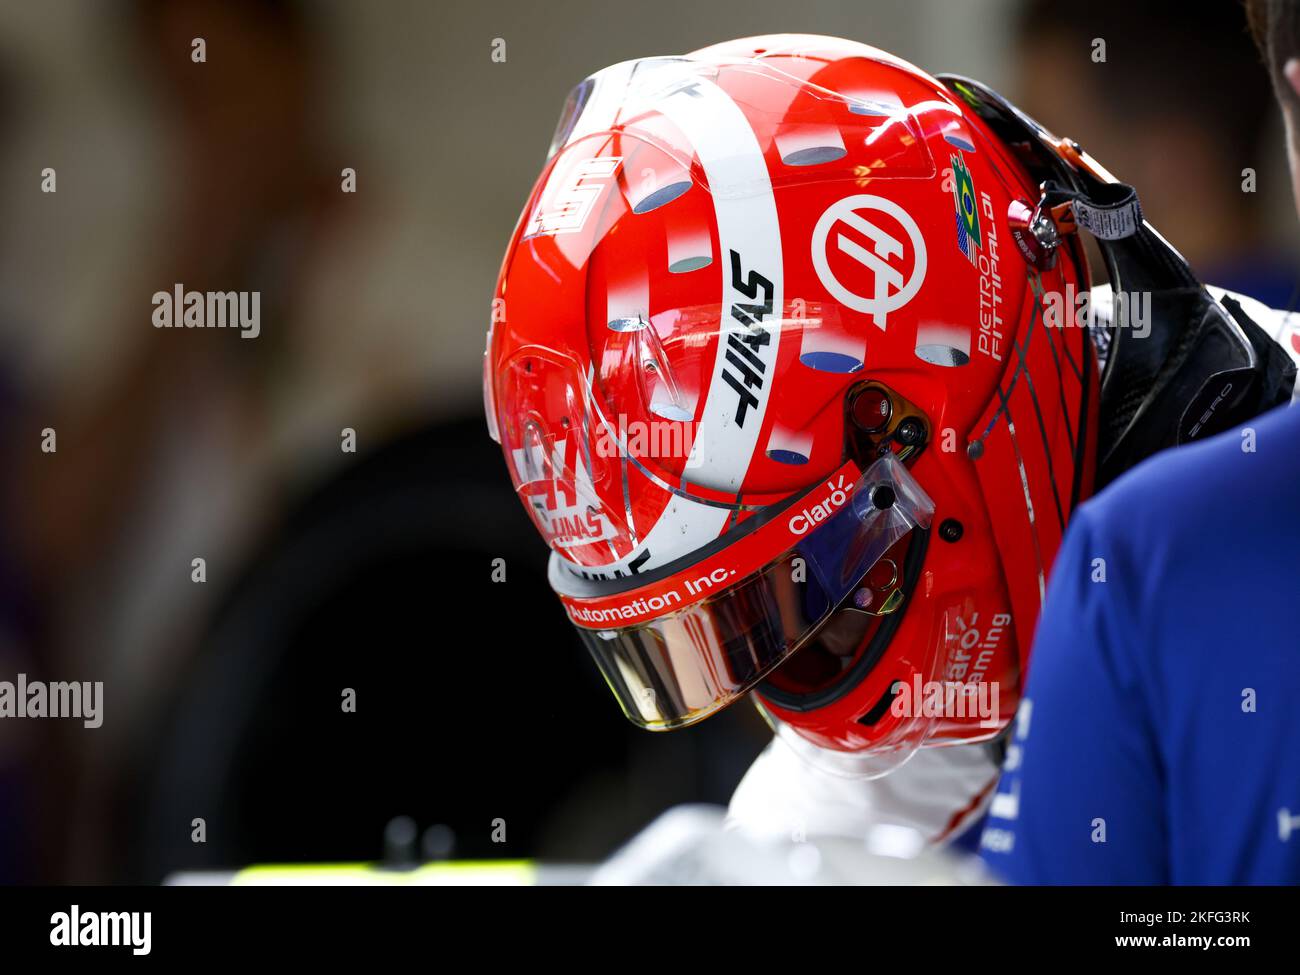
[(868, 764), (1202, 367)]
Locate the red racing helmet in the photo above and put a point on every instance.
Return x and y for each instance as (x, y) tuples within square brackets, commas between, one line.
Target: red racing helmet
[(770, 368)]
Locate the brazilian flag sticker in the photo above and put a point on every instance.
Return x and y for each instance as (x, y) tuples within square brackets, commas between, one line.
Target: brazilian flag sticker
[(968, 220)]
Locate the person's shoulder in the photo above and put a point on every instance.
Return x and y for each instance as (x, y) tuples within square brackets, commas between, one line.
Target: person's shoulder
[(1255, 464), (1163, 568)]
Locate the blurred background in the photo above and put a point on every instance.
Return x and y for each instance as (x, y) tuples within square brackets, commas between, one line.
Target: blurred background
[(477, 714)]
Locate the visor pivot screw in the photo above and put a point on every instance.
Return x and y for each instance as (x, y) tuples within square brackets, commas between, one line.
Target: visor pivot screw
[(909, 432), (863, 599), (1034, 233), (1045, 232), (882, 496), (951, 530)]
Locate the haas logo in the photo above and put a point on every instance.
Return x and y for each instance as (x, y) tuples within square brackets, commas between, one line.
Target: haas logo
[(881, 281), (560, 495)]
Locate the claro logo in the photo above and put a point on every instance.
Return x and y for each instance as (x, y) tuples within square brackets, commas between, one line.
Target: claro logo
[(805, 520)]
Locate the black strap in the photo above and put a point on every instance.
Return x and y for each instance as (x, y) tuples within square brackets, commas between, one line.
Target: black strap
[(1110, 212)]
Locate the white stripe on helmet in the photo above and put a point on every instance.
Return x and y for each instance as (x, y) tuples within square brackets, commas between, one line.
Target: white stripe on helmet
[(751, 303)]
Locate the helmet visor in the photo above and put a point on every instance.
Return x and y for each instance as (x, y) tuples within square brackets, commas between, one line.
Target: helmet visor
[(679, 667)]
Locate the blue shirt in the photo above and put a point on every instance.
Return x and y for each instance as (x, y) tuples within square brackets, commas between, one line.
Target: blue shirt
[(1159, 742)]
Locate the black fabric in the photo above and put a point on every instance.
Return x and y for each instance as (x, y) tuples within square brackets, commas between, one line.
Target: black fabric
[(1201, 371)]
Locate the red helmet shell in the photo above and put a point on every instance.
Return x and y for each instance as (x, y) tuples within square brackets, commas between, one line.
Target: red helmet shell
[(851, 213)]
